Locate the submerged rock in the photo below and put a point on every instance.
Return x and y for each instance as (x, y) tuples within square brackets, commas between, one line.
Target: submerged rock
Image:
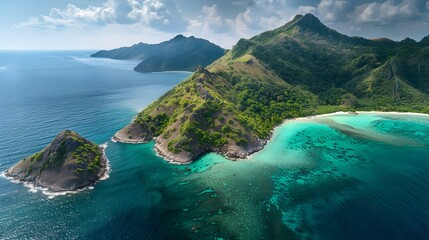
[(68, 163)]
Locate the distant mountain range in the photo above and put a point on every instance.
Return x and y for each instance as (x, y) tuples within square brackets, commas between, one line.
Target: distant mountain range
[(300, 69), (178, 54)]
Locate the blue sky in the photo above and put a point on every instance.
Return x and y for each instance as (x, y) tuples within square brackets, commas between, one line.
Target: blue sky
[(101, 24)]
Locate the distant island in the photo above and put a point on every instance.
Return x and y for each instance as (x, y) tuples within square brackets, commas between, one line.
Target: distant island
[(300, 69), (178, 54), (69, 162)]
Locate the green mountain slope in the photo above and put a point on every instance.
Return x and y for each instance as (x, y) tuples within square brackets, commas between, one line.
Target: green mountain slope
[(304, 52), (178, 54), (299, 69)]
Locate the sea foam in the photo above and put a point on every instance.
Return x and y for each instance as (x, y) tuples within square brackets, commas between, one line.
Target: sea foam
[(108, 167)]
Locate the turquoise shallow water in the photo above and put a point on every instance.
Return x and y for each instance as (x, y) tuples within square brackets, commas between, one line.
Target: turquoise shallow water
[(336, 177)]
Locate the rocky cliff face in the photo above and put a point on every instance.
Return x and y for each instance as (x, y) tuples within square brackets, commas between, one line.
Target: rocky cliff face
[(69, 162)]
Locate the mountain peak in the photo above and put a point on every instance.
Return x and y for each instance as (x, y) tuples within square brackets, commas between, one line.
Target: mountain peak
[(180, 36), (425, 40), (311, 23), (310, 17), (408, 40), (297, 17)]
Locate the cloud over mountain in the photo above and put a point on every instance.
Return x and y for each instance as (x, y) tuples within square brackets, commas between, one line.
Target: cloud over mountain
[(224, 22), (161, 15)]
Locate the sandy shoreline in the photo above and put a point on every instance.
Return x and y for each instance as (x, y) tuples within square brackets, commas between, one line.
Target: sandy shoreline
[(328, 115), (353, 113), (160, 153), (342, 113), (395, 113)]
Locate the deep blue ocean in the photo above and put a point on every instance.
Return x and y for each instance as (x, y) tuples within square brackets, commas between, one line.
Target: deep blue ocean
[(345, 176)]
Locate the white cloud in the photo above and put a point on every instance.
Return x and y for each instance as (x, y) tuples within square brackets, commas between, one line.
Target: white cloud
[(91, 14), (212, 21), (224, 22), (327, 10), (331, 10), (270, 22), (72, 16), (46, 22), (255, 16), (158, 14), (306, 9), (387, 11), (260, 16), (163, 15), (244, 23)]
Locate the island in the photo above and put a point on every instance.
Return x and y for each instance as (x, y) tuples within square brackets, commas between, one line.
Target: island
[(178, 54), (68, 163), (301, 69)]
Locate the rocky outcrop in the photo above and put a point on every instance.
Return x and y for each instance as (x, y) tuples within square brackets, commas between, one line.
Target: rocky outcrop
[(161, 148), (234, 151), (69, 162), (134, 134), (231, 150)]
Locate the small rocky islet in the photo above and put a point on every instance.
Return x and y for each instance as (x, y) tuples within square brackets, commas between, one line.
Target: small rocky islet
[(70, 162)]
